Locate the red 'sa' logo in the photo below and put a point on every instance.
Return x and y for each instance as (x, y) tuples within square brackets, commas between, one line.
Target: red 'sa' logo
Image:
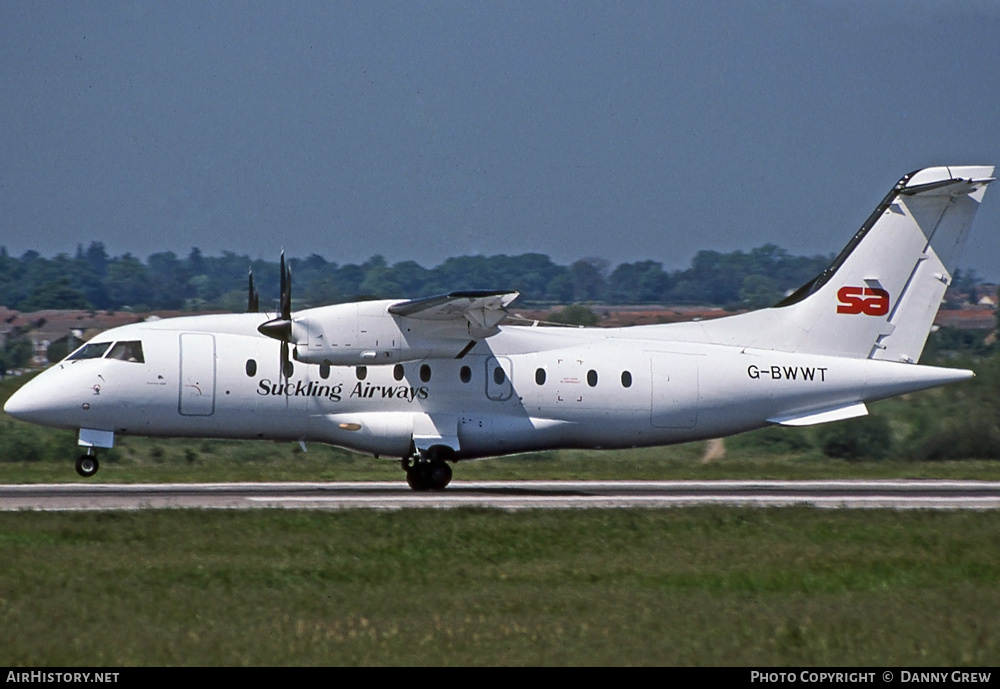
[(871, 301)]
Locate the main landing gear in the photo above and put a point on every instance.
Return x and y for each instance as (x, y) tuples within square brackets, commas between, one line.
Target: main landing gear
[(87, 465), (424, 473)]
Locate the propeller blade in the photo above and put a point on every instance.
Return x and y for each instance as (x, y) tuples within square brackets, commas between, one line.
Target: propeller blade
[(281, 283), (285, 363), (253, 298), (286, 290), (280, 328)]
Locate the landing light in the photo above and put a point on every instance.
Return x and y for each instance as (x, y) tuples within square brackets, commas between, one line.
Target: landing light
[(350, 426)]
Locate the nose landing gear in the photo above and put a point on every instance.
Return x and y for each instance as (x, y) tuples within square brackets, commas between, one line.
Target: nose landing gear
[(87, 465)]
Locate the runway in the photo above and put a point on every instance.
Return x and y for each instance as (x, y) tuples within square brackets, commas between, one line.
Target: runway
[(507, 495)]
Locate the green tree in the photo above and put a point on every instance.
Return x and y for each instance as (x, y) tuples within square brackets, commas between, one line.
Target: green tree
[(97, 259), (575, 314), (16, 353), (959, 421), (379, 282), (129, 283), (55, 295), (638, 283), (560, 288), (868, 437), (169, 277), (588, 280), (759, 291)]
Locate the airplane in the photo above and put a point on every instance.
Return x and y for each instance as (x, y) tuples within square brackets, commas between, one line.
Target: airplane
[(436, 380)]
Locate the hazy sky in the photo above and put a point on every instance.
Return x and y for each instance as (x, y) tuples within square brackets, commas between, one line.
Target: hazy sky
[(422, 130)]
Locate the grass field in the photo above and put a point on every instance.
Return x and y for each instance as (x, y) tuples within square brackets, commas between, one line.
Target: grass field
[(692, 586), (701, 586), (140, 460)]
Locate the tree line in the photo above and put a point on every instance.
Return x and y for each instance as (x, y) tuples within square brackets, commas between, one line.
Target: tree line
[(93, 279)]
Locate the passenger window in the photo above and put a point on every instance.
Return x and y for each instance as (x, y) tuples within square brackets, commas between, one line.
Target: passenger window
[(93, 350), (397, 372), (626, 379), (592, 378), (540, 376), (465, 373), (425, 373), (251, 368), (324, 371), (361, 372), (499, 376)]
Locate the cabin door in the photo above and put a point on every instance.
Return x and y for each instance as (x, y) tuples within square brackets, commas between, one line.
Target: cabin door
[(197, 384)]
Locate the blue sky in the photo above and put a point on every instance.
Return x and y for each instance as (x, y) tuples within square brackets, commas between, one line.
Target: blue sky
[(422, 130)]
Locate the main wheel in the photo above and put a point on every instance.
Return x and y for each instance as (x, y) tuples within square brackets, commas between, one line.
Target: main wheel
[(424, 475), (87, 465), (416, 476), (438, 475)]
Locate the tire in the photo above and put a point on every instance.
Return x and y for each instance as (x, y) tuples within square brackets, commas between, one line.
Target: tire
[(87, 465), (438, 475), (416, 477)]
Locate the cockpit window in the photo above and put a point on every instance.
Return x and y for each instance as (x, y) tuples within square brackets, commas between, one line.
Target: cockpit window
[(91, 350), (123, 351), (127, 351)]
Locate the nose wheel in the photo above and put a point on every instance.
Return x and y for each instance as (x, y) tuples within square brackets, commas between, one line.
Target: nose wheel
[(87, 465)]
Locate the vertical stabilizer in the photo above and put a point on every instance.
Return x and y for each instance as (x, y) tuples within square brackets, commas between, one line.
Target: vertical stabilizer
[(879, 297), (939, 214)]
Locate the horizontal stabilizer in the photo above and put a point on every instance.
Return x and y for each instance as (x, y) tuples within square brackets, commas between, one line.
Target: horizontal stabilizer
[(943, 181), (812, 418)]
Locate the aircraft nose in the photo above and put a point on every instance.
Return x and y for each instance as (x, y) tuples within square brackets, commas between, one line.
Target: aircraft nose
[(26, 404), (18, 404)]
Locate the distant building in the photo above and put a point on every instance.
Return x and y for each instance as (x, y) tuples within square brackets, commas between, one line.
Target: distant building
[(45, 328)]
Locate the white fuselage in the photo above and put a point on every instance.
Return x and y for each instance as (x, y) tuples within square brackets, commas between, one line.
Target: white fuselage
[(525, 388)]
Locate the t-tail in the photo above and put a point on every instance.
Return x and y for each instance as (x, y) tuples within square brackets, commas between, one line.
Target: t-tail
[(878, 299)]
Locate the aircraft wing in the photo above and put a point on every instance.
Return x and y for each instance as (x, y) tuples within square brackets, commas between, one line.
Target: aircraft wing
[(483, 309)]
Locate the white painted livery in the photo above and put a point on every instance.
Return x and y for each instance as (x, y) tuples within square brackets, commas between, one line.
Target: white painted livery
[(441, 379)]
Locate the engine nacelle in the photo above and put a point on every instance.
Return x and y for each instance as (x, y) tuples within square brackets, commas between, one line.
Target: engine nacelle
[(366, 334)]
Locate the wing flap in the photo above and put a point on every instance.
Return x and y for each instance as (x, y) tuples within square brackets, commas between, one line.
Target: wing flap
[(453, 305)]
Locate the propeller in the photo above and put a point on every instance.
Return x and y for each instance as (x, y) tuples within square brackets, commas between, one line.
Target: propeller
[(280, 328), (253, 297)]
